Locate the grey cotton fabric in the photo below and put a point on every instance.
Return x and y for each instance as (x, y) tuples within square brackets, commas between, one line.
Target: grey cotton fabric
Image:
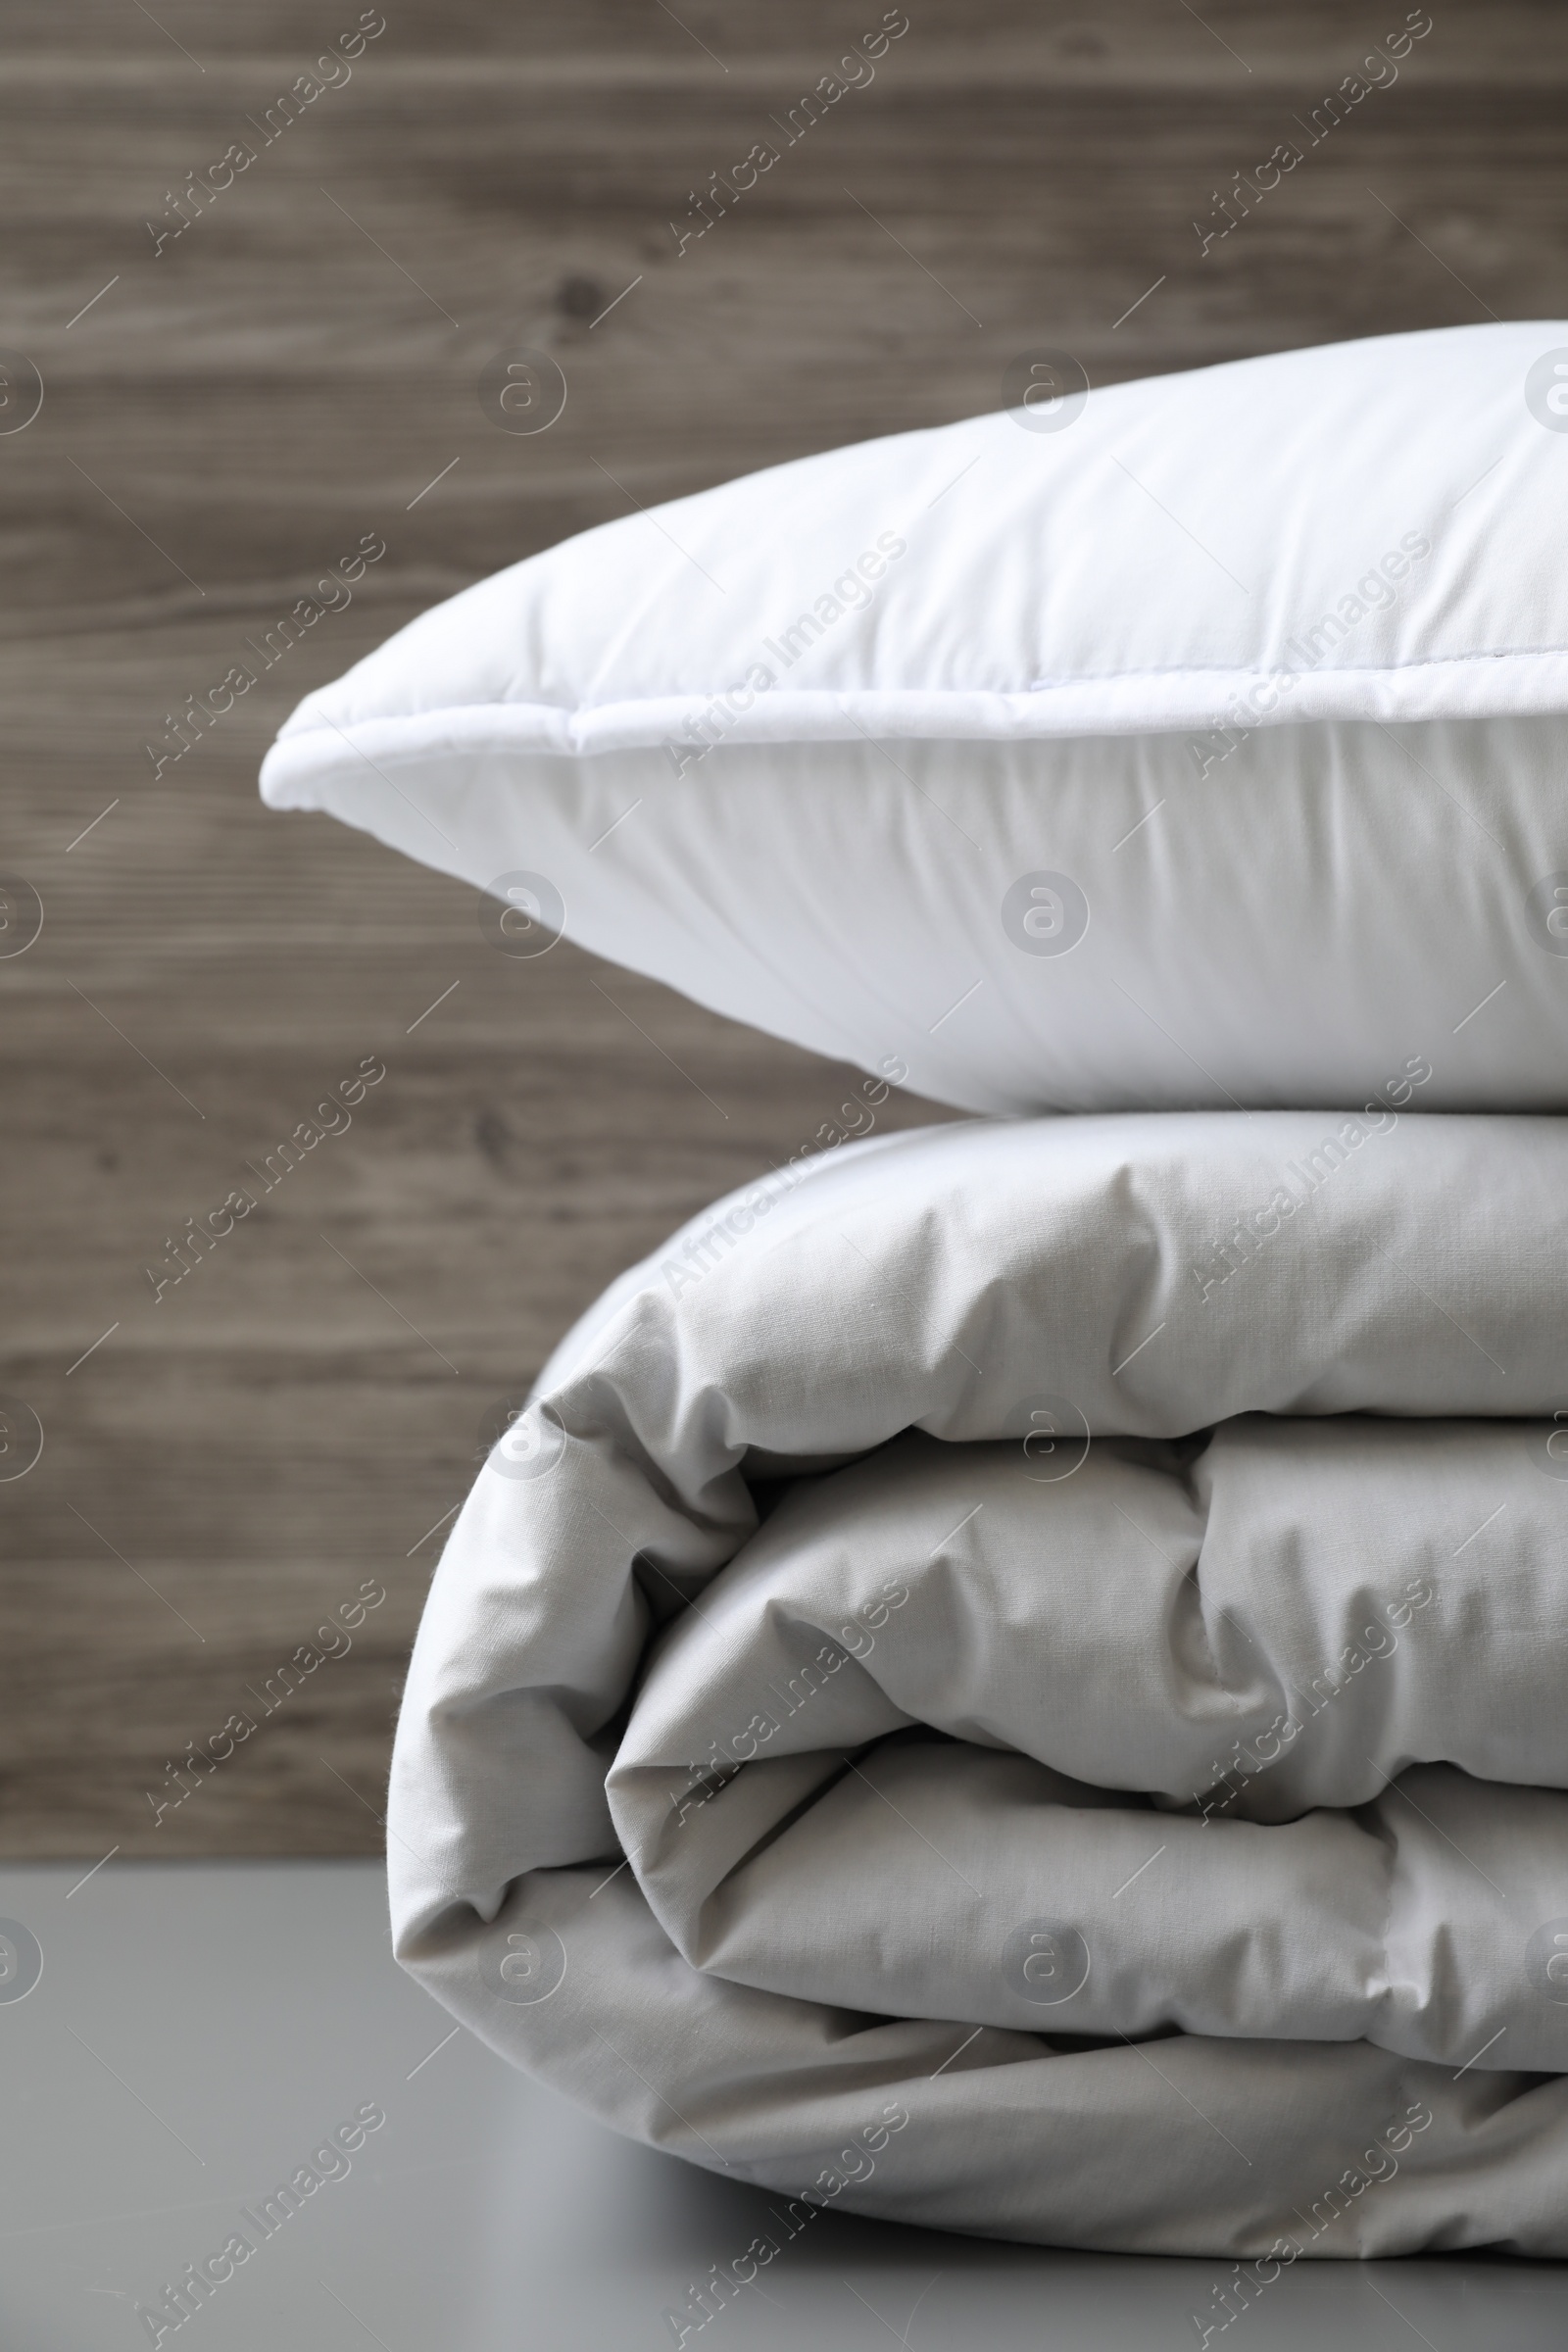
[(1010, 1677)]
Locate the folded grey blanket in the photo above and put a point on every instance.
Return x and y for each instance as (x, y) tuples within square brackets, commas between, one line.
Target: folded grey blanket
[(1010, 1679)]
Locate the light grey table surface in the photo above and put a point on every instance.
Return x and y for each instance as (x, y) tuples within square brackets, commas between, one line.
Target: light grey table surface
[(198, 2030)]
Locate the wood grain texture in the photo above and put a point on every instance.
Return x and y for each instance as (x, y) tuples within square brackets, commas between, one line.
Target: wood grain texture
[(230, 415)]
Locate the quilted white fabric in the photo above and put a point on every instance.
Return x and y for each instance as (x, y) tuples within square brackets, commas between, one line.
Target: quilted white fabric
[(1011, 1679)]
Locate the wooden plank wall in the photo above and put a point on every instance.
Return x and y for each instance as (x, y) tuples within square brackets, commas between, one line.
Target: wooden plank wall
[(226, 413)]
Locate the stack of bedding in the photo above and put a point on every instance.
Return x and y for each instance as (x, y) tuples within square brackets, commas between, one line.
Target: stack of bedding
[(1008, 1677)]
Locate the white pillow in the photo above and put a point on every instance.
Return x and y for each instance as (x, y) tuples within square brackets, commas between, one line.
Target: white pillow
[(1197, 741)]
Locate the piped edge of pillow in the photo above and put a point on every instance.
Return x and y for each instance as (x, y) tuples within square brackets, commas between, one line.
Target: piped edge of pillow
[(1528, 683)]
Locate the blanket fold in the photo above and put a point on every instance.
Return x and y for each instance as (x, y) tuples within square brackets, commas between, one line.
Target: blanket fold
[(1010, 1679)]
